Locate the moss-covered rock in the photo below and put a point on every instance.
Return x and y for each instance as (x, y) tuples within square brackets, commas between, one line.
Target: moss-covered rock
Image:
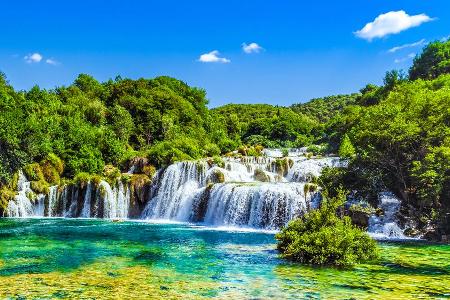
[(216, 161), (125, 178), (260, 175), (111, 174), (40, 187), (216, 176), (82, 179), (6, 195), (52, 168), (149, 170), (96, 179), (14, 183), (31, 195), (283, 165), (139, 181), (33, 172), (137, 163)]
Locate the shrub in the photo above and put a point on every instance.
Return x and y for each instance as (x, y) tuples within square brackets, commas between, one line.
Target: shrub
[(211, 149), (33, 172), (56, 162), (82, 178), (320, 237), (6, 195), (252, 151), (149, 170), (260, 175), (40, 187), (218, 161), (111, 173), (346, 149), (316, 149)]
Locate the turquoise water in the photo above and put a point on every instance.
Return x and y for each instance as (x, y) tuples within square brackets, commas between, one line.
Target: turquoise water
[(98, 259)]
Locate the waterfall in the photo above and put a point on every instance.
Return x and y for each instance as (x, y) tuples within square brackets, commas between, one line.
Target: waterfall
[(306, 169), (73, 208), (264, 205), (385, 226), (178, 183), (39, 206), (52, 201), (21, 205), (86, 212), (258, 192), (115, 200)]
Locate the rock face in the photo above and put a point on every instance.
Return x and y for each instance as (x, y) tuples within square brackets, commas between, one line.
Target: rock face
[(359, 218), (260, 175)]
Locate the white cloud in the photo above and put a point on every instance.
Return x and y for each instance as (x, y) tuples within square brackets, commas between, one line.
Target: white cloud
[(51, 61), (213, 57), (251, 48), (391, 23), (33, 58), (400, 60), (445, 38), (412, 45)]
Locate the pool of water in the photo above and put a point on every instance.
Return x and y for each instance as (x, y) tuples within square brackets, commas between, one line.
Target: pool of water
[(98, 259)]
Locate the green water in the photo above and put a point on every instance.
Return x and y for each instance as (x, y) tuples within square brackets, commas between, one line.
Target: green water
[(96, 259)]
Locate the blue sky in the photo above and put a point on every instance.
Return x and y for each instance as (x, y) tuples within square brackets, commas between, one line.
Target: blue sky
[(308, 48)]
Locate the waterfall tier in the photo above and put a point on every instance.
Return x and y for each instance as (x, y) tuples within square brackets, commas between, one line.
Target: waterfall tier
[(259, 192), (385, 226)]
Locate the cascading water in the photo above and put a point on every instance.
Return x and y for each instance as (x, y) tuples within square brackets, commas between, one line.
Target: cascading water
[(52, 200), (385, 226), (268, 206), (258, 192), (115, 200), (86, 212), (22, 206)]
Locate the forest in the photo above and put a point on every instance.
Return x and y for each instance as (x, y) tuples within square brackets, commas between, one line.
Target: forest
[(396, 136)]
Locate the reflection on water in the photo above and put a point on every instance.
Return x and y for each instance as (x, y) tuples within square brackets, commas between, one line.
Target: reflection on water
[(59, 258)]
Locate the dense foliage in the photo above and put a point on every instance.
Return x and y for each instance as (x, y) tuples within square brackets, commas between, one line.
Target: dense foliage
[(395, 136), (266, 125), (322, 109), (90, 124), (400, 135), (321, 237), (434, 61)]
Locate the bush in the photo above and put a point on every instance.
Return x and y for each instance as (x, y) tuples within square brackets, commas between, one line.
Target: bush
[(346, 149), (322, 238), (149, 170), (218, 161), (40, 187), (211, 149), (33, 172), (316, 149), (111, 173)]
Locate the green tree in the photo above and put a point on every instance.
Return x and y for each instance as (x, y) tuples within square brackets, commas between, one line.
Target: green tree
[(432, 62), (346, 149)]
